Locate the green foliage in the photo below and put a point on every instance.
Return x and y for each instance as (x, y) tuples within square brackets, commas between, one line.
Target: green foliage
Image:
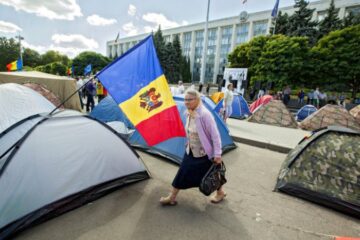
[(54, 56), (31, 58), (331, 22), (174, 65), (9, 51), (185, 69), (300, 23), (96, 60), (56, 68), (339, 59), (282, 24), (282, 61)]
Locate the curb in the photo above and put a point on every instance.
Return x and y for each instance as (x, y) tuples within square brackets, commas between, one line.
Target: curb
[(260, 144)]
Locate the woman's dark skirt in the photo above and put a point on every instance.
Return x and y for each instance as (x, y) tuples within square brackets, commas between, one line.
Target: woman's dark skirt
[(191, 171)]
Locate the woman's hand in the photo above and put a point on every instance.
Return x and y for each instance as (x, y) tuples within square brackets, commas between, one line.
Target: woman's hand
[(217, 160)]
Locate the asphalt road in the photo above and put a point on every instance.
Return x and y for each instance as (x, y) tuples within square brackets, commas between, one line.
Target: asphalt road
[(251, 211)]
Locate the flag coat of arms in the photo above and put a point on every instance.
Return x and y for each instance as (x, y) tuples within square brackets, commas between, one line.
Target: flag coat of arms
[(137, 83)]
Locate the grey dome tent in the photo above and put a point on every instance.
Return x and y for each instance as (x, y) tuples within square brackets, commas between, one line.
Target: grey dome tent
[(325, 169), (56, 164), (18, 102)]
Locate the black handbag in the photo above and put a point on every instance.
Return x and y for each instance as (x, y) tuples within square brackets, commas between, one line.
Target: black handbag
[(213, 179)]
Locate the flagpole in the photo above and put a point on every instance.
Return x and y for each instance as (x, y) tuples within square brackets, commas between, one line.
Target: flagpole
[(67, 99), (203, 61), (20, 38)]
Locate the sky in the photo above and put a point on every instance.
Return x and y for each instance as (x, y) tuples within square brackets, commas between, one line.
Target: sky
[(73, 26)]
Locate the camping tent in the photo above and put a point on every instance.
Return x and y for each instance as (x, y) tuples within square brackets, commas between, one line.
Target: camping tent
[(330, 115), (45, 93), (239, 106), (261, 101), (62, 87), (355, 112), (18, 102), (274, 113), (173, 148), (58, 164), (305, 111), (325, 169)]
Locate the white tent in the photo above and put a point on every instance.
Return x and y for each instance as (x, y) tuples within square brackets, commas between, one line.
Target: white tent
[(18, 102), (56, 164)]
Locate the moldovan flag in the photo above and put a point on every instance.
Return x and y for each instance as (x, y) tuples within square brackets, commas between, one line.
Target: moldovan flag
[(137, 83), (15, 65)]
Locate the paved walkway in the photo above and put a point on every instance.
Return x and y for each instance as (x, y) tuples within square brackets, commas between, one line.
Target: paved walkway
[(265, 136)]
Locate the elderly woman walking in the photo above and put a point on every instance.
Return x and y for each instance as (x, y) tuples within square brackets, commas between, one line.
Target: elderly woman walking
[(203, 148)]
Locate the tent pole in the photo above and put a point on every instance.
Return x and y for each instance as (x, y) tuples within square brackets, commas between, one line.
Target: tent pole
[(67, 99)]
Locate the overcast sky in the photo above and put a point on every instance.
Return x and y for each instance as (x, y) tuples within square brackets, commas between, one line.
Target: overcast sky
[(72, 26)]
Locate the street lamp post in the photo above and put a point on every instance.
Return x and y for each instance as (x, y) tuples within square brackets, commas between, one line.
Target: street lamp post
[(203, 61), (20, 38)]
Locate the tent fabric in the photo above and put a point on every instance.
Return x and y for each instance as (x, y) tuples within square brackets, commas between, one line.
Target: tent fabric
[(274, 113), (45, 93), (62, 87), (355, 112), (173, 148), (261, 101), (305, 111), (75, 160), (239, 106), (324, 168), (330, 115), (18, 102), (208, 101), (216, 97)]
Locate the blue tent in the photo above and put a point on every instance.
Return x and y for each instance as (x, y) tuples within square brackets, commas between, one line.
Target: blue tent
[(304, 112), (239, 106), (173, 148)]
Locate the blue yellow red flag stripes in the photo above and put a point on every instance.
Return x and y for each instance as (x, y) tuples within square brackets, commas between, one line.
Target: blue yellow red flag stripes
[(15, 65), (137, 83)]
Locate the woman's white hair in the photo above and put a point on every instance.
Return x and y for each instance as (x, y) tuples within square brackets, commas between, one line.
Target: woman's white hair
[(193, 92)]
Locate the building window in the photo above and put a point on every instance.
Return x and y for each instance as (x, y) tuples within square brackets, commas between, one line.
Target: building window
[(354, 10), (260, 28), (321, 15), (242, 33), (199, 41), (167, 39), (187, 44), (225, 47), (210, 56)]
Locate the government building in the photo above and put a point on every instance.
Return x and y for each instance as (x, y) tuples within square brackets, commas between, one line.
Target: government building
[(224, 35)]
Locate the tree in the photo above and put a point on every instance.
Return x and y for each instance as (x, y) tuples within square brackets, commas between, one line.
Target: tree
[(247, 55), (160, 47), (185, 69), (300, 23), (281, 24), (340, 59), (170, 66), (331, 22), (282, 61), (31, 58), (177, 52), (96, 60), (54, 56), (9, 51)]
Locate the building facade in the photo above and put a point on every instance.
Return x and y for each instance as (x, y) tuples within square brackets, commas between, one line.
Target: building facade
[(224, 35)]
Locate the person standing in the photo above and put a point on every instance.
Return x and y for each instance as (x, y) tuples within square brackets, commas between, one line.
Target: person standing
[(180, 88), (316, 97), (228, 99), (287, 92), (203, 148), (90, 93), (79, 84), (301, 96)]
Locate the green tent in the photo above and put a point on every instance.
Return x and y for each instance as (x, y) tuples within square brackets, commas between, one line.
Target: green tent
[(325, 168)]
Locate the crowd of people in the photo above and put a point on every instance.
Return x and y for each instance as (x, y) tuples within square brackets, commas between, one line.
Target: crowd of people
[(88, 92)]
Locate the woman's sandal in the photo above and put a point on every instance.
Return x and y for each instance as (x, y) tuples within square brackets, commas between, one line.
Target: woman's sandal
[(217, 198), (166, 201)]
